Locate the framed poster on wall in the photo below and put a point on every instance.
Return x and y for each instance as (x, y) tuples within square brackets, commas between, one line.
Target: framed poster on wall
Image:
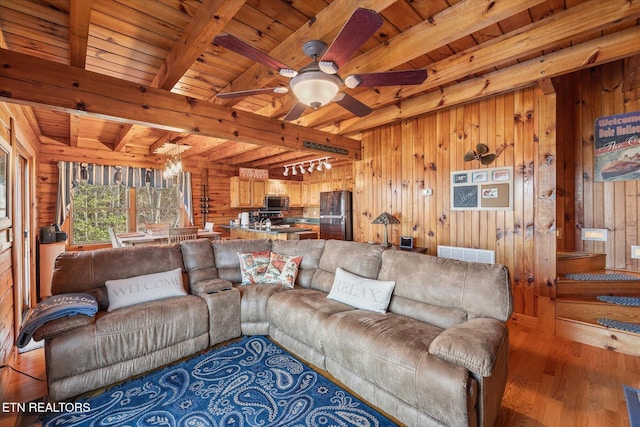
[(482, 189)]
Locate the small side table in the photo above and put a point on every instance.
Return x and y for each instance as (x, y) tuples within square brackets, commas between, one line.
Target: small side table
[(415, 249)]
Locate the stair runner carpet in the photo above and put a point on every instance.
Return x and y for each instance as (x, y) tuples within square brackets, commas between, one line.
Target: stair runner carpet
[(601, 276)]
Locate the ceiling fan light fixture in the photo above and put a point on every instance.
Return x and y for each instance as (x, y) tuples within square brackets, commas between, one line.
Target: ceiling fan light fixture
[(315, 88), (287, 72), (352, 81), (328, 67)]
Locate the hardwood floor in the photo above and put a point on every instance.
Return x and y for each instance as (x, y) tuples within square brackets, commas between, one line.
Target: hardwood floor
[(552, 382)]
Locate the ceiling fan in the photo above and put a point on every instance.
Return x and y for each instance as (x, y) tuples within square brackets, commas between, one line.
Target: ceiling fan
[(318, 83), (481, 153)]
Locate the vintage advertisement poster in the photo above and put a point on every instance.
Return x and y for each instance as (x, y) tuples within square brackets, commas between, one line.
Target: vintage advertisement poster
[(617, 150)]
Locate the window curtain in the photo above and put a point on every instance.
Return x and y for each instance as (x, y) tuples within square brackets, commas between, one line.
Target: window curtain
[(70, 174)]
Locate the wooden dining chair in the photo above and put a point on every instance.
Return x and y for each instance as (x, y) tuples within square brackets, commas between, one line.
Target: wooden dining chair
[(157, 227), (115, 242), (178, 234)]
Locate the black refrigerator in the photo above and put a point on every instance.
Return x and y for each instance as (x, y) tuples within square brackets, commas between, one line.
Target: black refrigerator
[(335, 215)]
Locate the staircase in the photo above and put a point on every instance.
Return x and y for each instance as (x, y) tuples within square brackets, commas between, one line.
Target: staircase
[(578, 309)]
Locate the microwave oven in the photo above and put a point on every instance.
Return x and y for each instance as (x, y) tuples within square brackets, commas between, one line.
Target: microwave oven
[(276, 203)]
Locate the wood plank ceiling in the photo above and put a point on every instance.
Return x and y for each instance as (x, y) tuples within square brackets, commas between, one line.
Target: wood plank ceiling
[(470, 48)]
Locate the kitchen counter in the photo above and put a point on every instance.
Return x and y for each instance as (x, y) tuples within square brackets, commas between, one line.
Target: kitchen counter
[(276, 232)]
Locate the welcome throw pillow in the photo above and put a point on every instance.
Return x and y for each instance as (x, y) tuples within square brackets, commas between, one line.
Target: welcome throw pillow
[(148, 287), (253, 266), (282, 269), (360, 292)]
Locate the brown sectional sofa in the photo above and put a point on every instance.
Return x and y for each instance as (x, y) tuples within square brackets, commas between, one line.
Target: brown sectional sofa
[(437, 357)]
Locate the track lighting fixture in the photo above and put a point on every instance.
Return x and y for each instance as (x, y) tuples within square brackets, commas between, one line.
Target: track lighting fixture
[(323, 162)]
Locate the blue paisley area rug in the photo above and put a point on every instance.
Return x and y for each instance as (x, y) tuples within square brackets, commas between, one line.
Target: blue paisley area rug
[(251, 382)]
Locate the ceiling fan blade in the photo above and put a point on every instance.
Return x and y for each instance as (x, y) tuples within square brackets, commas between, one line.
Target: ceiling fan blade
[(468, 156), (250, 92), (238, 46), (388, 78), (487, 159), (295, 112), (482, 149), (362, 24), (348, 102)]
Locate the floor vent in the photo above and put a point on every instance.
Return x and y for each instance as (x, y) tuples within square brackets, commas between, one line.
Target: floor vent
[(467, 254)]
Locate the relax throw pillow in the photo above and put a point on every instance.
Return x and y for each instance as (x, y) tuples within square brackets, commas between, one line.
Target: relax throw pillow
[(253, 266), (282, 269), (360, 292), (148, 287)]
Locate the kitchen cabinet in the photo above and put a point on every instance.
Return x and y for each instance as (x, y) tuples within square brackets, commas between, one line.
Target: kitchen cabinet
[(247, 192), (313, 193), (295, 193), (277, 187)]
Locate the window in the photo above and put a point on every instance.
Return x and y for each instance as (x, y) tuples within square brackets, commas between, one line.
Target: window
[(154, 205), (97, 207)]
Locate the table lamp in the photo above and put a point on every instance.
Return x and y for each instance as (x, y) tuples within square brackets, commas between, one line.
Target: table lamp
[(386, 219)]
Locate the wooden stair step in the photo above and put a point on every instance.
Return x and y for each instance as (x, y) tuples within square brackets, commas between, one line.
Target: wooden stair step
[(579, 262), (590, 310), (599, 336), (569, 288)]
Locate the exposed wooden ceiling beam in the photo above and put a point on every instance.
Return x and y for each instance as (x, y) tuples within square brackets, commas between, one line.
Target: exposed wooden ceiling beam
[(585, 55), (289, 51), (529, 40), (209, 20), (79, 19), (76, 91)]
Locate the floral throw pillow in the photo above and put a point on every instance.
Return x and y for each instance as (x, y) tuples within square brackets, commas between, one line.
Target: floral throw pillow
[(253, 266), (282, 269)]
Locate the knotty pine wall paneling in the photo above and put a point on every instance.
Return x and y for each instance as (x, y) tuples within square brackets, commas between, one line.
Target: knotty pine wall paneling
[(401, 159), (595, 93)]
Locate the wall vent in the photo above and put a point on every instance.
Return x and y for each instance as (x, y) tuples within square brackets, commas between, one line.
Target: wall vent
[(467, 254)]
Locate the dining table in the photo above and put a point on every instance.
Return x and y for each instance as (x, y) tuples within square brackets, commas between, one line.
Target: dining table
[(158, 237)]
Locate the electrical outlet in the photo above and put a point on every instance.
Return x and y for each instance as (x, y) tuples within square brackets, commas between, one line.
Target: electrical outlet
[(427, 192)]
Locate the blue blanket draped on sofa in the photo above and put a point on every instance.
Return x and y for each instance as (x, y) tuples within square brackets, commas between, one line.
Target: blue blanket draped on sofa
[(52, 308)]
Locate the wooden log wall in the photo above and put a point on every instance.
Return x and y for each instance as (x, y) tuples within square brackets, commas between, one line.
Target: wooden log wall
[(584, 203), (402, 159)]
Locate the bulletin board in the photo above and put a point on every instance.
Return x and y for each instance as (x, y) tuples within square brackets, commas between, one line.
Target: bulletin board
[(482, 189)]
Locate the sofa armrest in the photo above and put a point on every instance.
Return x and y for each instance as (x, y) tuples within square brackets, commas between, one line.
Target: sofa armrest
[(473, 344), (60, 326), (209, 286)]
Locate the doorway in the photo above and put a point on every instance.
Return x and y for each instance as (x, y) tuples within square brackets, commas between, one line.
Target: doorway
[(24, 267)]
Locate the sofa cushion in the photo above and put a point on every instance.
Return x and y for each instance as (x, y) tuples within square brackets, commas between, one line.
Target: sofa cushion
[(197, 256), (85, 271), (253, 306), (226, 255), (303, 314), (311, 251), (362, 259), (253, 266), (481, 290), (126, 334), (392, 352), (144, 288), (282, 269), (359, 292)]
